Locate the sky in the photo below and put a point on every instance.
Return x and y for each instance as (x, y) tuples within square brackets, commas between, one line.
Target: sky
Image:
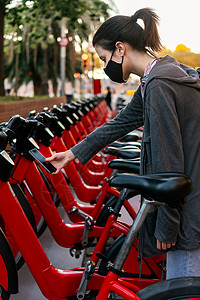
[(179, 20)]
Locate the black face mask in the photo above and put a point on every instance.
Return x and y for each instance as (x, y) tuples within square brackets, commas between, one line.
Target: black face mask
[(114, 70)]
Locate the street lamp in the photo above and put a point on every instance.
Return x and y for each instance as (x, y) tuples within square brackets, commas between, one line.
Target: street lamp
[(84, 57)]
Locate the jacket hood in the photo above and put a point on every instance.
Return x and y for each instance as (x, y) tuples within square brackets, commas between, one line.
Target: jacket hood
[(170, 69)]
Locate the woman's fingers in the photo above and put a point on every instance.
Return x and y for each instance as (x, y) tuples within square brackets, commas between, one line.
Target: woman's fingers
[(50, 158), (159, 245), (164, 246), (61, 159)]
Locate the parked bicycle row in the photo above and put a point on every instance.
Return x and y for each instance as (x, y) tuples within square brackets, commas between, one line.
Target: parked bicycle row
[(30, 194)]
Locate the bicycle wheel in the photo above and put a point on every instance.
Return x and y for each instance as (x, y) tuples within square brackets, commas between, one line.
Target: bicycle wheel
[(172, 289), (4, 294), (8, 271)]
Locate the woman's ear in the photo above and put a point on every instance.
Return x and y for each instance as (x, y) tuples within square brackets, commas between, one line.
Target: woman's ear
[(120, 48)]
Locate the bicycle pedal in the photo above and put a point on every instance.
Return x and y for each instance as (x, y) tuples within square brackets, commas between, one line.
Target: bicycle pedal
[(73, 210), (87, 275)]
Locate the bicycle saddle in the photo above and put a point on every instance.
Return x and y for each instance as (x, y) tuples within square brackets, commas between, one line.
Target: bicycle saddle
[(130, 137), (124, 144), (125, 165), (127, 152), (162, 187)]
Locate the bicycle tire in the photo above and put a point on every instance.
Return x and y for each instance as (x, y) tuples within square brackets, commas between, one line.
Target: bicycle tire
[(5, 295), (24, 204), (49, 186), (39, 219), (172, 289), (10, 266)]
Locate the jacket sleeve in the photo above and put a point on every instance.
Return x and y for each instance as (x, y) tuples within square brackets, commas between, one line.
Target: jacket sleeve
[(166, 150), (130, 118)]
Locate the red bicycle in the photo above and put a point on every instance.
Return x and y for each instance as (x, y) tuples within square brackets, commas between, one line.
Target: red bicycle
[(110, 226), (60, 284)]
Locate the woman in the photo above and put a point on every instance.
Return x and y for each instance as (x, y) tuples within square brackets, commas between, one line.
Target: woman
[(167, 103), (108, 98)]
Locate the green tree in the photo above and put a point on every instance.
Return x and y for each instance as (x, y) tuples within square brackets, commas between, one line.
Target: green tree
[(3, 4), (35, 29)]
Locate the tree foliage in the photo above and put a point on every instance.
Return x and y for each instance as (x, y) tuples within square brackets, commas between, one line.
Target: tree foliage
[(182, 48), (32, 30), (183, 55), (3, 4)]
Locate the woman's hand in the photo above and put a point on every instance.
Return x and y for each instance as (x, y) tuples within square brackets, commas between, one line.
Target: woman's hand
[(61, 159), (164, 246)]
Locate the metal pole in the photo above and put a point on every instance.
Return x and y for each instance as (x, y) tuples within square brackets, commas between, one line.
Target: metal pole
[(132, 235), (63, 58)]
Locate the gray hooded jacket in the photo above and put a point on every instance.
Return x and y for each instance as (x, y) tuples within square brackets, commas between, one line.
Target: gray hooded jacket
[(170, 113)]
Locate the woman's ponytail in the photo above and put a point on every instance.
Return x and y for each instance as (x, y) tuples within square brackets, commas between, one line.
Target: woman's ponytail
[(127, 29), (151, 37)]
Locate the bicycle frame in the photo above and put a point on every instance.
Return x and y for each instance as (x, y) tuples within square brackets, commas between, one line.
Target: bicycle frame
[(90, 192), (112, 282), (118, 227), (67, 198), (66, 235), (55, 284), (52, 281), (68, 201)]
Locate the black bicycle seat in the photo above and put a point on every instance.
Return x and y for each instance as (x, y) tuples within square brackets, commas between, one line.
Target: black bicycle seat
[(130, 137), (124, 144), (126, 152), (125, 165), (162, 187)]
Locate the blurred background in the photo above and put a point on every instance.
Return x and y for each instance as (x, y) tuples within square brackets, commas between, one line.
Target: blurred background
[(46, 46)]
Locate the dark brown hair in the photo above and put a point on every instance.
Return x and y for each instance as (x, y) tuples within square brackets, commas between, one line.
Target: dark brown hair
[(127, 30)]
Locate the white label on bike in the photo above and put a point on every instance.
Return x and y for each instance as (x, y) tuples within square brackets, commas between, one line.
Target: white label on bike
[(75, 116), (70, 121)]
